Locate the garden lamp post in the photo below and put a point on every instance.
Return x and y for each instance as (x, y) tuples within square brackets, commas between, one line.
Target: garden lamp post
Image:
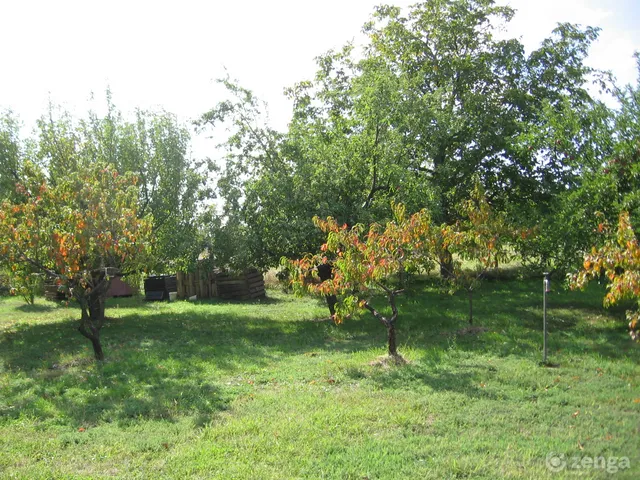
[(546, 288)]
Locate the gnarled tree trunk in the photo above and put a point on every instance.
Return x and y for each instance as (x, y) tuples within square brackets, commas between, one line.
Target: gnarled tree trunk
[(390, 322), (92, 304), (391, 336)]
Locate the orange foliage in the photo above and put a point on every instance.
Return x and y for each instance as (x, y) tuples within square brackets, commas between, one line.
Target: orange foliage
[(618, 259)]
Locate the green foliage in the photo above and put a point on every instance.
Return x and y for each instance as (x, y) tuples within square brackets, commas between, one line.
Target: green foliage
[(566, 223), (617, 260), (10, 155), (154, 147), (432, 102)]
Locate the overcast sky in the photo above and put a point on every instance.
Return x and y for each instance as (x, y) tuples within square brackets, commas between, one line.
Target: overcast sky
[(167, 53)]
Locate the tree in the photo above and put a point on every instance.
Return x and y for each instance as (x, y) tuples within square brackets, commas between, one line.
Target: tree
[(623, 167), (432, 100), (617, 260), (23, 280), (482, 236), (567, 217), (267, 202), (478, 105), (81, 232), (364, 262), (155, 147), (10, 154)]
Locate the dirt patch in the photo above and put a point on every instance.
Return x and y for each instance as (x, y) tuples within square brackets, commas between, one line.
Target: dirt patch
[(387, 361), (74, 362), (471, 330)]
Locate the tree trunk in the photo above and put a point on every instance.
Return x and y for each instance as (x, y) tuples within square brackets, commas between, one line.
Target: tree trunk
[(96, 309), (446, 264), (389, 323), (93, 334), (331, 303), (93, 314), (470, 306), (391, 333), (97, 348)]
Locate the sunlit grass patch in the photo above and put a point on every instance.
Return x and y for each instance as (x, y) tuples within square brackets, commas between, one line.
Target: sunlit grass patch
[(259, 390)]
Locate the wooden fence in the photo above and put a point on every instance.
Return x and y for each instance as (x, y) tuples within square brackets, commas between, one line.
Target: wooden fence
[(220, 284)]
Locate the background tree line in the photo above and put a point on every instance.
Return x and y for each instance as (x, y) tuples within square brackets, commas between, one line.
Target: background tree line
[(434, 100), (434, 107)]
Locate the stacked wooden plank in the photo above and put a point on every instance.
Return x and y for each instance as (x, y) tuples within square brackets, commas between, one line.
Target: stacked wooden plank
[(247, 286), (218, 283), (51, 292), (198, 283)]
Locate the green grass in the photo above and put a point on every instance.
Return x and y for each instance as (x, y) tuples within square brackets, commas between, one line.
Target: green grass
[(259, 390)]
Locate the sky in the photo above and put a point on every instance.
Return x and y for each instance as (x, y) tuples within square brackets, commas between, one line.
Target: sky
[(167, 54)]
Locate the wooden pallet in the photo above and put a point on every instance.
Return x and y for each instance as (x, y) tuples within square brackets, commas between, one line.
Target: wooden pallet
[(52, 293), (245, 286)]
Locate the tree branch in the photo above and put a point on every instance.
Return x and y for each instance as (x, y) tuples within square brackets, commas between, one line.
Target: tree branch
[(377, 314), (387, 322), (33, 263)]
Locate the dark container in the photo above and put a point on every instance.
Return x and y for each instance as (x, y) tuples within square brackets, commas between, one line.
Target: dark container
[(158, 287)]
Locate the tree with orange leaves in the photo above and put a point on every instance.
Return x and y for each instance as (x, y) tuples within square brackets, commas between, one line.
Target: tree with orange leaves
[(81, 232), (482, 236), (364, 261), (618, 259)]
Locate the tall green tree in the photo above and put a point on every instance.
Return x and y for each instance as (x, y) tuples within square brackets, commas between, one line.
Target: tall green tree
[(597, 189), (156, 148), (624, 166), (10, 154), (266, 210), (433, 100), (476, 105)]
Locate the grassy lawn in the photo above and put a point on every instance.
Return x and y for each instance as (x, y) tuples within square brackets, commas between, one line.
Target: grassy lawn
[(260, 390)]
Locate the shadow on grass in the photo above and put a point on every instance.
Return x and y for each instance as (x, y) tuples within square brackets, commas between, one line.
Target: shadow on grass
[(159, 365), (512, 313), (462, 380), (168, 363), (37, 307), (139, 301), (116, 393), (268, 300)]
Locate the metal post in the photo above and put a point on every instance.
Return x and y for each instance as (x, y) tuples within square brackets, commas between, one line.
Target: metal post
[(546, 287)]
